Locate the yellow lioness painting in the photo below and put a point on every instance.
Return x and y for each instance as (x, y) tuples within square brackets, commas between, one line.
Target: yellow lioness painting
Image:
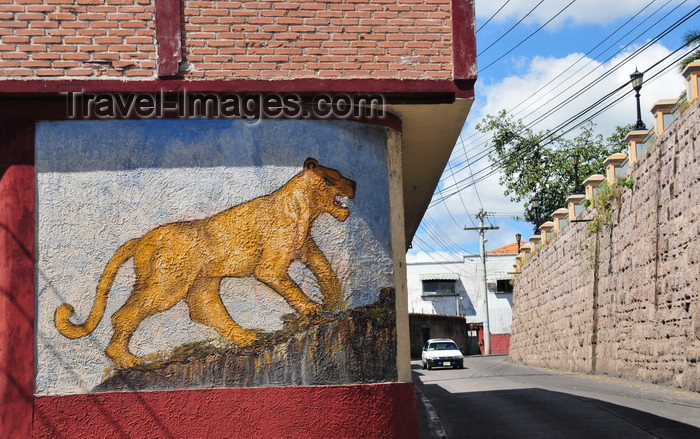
[(187, 260)]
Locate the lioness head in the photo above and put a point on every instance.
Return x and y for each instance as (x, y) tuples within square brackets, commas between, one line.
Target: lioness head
[(331, 189)]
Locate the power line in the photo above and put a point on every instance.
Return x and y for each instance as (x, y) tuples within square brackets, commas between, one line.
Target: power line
[(513, 27), (450, 212), (599, 78), (609, 100), (566, 101), (670, 65), (549, 137), (491, 17), (444, 241), (585, 55), (475, 190), (528, 37), (591, 50), (496, 167), (432, 234), (458, 268)]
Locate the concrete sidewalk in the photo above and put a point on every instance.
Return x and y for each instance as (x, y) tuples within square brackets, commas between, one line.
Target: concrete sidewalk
[(492, 398)]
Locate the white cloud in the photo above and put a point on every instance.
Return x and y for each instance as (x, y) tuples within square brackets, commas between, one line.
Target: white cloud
[(581, 12), (512, 91), (450, 216)]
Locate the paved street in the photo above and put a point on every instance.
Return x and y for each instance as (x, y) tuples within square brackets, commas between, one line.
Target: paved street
[(492, 398)]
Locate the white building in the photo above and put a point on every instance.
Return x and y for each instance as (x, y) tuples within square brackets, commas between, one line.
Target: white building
[(455, 287)]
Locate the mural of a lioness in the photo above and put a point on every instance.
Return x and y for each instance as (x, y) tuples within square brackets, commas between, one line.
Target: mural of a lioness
[(187, 260)]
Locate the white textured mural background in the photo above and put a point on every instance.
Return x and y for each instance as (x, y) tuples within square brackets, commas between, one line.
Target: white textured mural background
[(101, 184)]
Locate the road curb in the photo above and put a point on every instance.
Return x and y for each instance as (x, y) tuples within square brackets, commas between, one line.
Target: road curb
[(434, 425)]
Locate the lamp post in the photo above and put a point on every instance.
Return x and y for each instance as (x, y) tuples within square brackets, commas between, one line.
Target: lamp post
[(517, 238), (574, 160), (535, 203), (637, 78)]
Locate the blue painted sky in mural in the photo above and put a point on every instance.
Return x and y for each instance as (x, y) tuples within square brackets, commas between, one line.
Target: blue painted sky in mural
[(173, 143)]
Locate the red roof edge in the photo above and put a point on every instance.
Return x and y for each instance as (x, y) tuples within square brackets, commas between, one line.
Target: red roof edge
[(510, 249)]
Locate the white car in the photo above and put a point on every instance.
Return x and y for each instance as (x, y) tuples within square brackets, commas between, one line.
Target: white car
[(442, 352)]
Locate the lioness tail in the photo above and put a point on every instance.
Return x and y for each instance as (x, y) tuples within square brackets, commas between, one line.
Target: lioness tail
[(65, 311)]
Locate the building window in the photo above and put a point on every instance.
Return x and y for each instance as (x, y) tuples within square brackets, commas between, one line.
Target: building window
[(433, 287), (504, 286)]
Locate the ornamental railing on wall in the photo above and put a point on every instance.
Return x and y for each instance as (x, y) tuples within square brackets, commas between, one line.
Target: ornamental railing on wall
[(617, 166)]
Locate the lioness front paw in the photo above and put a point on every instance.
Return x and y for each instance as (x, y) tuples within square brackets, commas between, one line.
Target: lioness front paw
[(123, 359), (126, 361), (310, 308)]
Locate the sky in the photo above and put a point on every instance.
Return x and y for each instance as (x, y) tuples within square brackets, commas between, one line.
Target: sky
[(532, 56)]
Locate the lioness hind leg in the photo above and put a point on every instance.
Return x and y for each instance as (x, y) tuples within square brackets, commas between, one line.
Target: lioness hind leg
[(145, 300), (206, 307), (125, 321)]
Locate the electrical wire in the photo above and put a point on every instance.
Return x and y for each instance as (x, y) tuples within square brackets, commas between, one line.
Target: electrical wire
[(617, 100), (444, 239), (432, 252), (603, 76), (590, 51), (429, 232), (584, 56), (475, 190), (528, 37), (600, 106), (513, 27), (491, 17), (495, 167), (567, 100), (450, 213)]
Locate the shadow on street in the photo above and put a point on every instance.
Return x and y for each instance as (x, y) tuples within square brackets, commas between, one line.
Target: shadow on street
[(497, 399)]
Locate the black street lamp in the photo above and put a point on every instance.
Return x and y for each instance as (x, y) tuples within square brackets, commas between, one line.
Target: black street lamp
[(637, 79), (517, 238), (574, 160)]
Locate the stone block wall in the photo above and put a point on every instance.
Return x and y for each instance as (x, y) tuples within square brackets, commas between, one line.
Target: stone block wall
[(267, 39), (624, 301)]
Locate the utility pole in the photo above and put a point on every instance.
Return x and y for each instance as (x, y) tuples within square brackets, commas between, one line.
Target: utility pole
[(485, 298)]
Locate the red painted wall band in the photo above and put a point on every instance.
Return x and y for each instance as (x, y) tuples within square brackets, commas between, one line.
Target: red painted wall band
[(356, 411), (15, 109), (389, 86), (464, 43), (168, 39), (353, 411), (16, 299)]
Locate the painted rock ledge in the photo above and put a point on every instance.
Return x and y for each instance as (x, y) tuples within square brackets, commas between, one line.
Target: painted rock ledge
[(356, 346)]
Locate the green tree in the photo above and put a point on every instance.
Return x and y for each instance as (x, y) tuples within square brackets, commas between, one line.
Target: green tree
[(692, 40), (539, 166)]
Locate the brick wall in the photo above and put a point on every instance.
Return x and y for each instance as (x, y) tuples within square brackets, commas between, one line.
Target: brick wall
[(76, 38), (399, 39), (631, 308)]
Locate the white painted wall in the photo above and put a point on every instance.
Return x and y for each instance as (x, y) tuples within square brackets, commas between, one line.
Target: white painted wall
[(469, 289)]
